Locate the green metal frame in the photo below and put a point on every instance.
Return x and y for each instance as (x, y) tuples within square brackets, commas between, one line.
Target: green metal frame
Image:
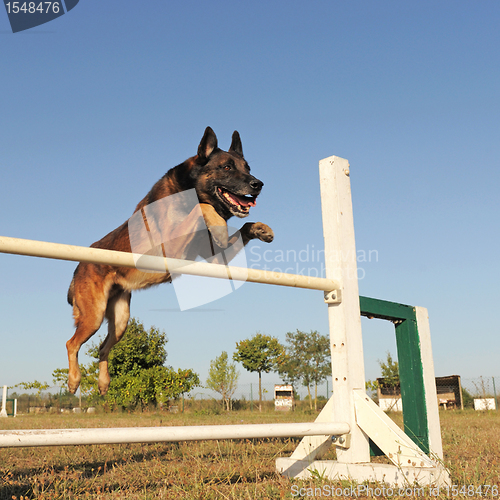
[(11, 413), (411, 375)]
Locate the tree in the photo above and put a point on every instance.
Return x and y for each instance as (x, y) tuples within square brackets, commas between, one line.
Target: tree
[(38, 386), (262, 354), (138, 350), (223, 378), (138, 374), (307, 360), (60, 377), (321, 365), (390, 373)]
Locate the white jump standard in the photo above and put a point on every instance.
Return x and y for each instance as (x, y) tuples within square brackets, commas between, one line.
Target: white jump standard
[(349, 403), (350, 420)]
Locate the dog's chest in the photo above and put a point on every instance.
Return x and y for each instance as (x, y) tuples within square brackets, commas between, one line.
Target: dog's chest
[(138, 280)]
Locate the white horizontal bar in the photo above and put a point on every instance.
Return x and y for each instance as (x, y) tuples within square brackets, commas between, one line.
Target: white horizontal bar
[(122, 435), (59, 251)]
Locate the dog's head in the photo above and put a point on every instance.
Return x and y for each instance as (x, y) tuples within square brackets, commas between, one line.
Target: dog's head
[(222, 178)]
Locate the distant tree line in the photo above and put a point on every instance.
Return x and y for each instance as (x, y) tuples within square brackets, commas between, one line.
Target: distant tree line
[(140, 378), (305, 359)]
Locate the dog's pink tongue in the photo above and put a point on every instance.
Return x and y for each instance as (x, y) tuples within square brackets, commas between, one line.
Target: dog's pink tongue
[(244, 202)]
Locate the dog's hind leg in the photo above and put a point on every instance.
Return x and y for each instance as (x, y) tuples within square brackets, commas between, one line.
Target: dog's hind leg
[(89, 308), (117, 314)]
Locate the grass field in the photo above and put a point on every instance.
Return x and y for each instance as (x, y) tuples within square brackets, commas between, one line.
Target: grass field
[(215, 470)]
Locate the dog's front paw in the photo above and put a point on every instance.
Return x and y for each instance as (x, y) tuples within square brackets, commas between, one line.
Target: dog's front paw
[(260, 231)]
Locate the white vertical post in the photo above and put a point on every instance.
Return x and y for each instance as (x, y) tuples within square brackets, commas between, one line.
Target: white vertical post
[(431, 401), (3, 412), (346, 341)]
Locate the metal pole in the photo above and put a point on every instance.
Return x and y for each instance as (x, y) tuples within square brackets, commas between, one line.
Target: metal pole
[(65, 437), (151, 263), (495, 392)]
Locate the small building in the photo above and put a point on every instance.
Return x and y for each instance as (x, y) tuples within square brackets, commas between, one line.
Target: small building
[(483, 404), (449, 392), (448, 389), (283, 397), (389, 397)]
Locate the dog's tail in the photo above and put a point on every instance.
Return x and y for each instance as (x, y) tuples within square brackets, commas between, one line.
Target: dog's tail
[(71, 292)]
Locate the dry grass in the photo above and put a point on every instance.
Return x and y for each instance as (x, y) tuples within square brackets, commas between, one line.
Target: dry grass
[(205, 470)]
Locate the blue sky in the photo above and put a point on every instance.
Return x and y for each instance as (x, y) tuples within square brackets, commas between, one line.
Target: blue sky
[(99, 103)]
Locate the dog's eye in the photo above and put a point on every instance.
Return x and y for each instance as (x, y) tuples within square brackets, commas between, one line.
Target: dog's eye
[(227, 167)]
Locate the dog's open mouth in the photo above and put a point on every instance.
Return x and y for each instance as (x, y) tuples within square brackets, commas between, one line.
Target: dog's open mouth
[(237, 203)]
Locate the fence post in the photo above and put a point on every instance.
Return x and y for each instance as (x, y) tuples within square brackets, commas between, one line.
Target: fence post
[(495, 392), (346, 343), (3, 412)]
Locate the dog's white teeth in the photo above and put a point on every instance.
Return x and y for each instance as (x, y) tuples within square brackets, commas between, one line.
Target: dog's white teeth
[(228, 198), (234, 203), (231, 200)]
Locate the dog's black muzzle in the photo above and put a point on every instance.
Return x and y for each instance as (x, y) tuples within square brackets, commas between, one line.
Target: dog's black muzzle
[(256, 185)]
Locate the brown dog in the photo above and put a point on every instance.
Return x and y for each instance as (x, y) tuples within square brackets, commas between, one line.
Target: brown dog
[(224, 187)]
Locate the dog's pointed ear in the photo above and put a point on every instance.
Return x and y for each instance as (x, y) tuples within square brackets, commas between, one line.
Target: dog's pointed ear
[(236, 144), (208, 144)]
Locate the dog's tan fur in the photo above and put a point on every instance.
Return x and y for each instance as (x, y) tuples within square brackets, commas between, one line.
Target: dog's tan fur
[(224, 188)]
